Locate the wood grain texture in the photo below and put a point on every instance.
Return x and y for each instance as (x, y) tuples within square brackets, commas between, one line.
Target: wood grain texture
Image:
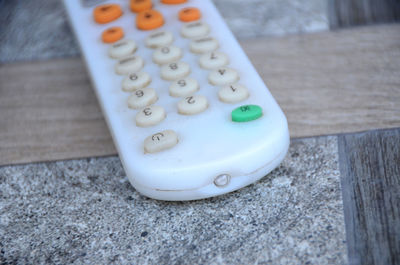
[(345, 13), (326, 83), (370, 175)]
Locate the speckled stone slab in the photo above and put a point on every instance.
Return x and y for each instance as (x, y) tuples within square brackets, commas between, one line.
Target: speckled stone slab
[(39, 29), (85, 211)]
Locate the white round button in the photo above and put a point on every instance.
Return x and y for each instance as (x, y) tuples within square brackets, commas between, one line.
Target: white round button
[(213, 60), (175, 70), (183, 87), (142, 98), (233, 93), (135, 81), (158, 39), (150, 116), (223, 76), (202, 45), (122, 49), (195, 30), (160, 141), (167, 54), (130, 64), (192, 105)]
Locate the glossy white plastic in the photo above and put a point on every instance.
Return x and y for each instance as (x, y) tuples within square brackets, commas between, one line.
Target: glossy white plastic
[(210, 144)]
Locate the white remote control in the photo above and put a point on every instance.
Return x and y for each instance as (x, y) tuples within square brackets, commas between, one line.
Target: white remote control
[(189, 114)]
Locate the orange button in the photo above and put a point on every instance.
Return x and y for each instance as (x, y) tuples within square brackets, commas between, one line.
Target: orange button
[(140, 5), (112, 34), (106, 13), (188, 14), (173, 2), (150, 19)]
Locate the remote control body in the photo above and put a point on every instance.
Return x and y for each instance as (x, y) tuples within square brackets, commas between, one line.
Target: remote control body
[(212, 154)]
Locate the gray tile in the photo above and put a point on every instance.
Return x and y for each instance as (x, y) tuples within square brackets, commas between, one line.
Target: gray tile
[(86, 211), (39, 29)]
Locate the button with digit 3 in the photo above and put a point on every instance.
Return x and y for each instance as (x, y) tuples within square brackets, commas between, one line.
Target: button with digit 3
[(150, 116)]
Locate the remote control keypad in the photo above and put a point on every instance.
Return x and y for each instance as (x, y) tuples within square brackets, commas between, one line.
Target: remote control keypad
[(167, 56)]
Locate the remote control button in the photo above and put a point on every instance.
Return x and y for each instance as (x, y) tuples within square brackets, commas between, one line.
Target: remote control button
[(140, 5), (129, 65), (122, 49), (192, 105), (149, 19), (246, 113), (135, 81), (183, 87), (189, 14), (195, 30), (173, 2), (142, 98), (202, 45), (213, 60), (223, 76), (160, 141), (176, 70), (167, 54), (233, 93), (150, 116), (106, 13), (159, 39), (112, 34)]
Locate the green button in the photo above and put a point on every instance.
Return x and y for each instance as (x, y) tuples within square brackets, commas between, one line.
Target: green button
[(246, 113)]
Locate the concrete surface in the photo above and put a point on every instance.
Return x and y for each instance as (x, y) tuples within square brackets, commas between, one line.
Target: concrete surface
[(85, 211)]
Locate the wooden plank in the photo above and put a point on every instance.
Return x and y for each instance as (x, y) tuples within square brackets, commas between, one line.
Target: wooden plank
[(370, 176), (326, 83), (345, 13)]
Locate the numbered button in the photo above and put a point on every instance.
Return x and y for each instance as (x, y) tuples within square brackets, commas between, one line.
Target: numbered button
[(183, 87), (189, 14), (150, 116), (140, 5), (112, 34), (106, 13), (122, 49), (174, 71), (196, 29), (129, 65), (135, 81), (142, 98), (167, 54), (246, 113), (213, 60), (192, 105), (160, 141), (159, 39), (203, 45), (233, 93), (223, 76)]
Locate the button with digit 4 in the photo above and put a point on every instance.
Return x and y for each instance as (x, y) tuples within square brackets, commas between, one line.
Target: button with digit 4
[(192, 105), (223, 76), (176, 70), (135, 81), (196, 29), (159, 39), (142, 98), (202, 45), (213, 60), (149, 19), (122, 49), (160, 141), (150, 116), (129, 65), (167, 54), (233, 93), (183, 87)]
